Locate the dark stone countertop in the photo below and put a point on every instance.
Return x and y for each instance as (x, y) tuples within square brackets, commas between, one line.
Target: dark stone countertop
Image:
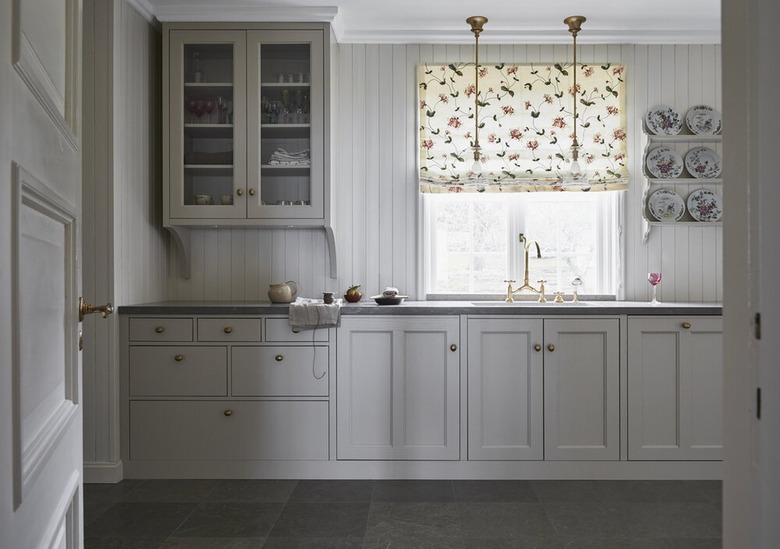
[(367, 307)]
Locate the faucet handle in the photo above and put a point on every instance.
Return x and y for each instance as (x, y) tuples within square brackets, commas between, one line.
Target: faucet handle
[(510, 281), (542, 299)]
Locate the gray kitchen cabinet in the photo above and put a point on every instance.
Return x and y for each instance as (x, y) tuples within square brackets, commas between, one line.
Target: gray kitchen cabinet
[(245, 125), (675, 388), (398, 388)]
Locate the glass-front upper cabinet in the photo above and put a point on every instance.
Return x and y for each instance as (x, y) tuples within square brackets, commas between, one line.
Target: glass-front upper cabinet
[(285, 141), (207, 124)]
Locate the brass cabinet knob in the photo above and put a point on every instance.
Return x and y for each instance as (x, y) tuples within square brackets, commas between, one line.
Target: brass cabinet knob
[(537, 347), (240, 192), (227, 330), (178, 358), (551, 347), (686, 325), (453, 347), (279, 358), (159, 329), (228, 413), (251, 192)]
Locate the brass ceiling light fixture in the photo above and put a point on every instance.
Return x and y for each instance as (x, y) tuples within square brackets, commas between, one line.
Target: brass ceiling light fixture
[(477, 22), (576, 176)]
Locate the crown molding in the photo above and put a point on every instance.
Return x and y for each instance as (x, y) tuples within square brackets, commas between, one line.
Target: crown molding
[(530, 36), (145, 9), (224, 12)]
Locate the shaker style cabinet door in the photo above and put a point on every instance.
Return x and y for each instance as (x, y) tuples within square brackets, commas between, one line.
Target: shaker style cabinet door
[(505, 416), (206, 124), (675, 388), (581, 389), (398, 388)]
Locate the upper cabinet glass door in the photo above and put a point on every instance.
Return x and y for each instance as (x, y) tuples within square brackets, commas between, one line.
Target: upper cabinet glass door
[(286, 132), (207, 103)]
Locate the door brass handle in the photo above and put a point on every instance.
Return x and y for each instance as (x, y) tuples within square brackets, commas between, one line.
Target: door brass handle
[(251, 192), (228, 413), (551, 347), (87, 309), (227, 330), (453, 347), (240, 192), (686, 325), (279, 358), (178, 358), (537, 347), (159, 329)]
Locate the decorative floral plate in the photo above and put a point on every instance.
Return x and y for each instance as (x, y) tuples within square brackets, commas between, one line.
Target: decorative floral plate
[(703, 163), (666, 205), (664, 163), (663, 120), (703, 120), (705, 205)]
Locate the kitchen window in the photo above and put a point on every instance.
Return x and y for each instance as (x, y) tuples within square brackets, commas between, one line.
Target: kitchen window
[(471, 241)]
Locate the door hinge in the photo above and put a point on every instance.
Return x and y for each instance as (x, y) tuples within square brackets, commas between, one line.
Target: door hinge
[(758, 402), (757, 326)]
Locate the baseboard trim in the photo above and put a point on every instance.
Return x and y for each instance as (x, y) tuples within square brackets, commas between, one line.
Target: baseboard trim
[(103, 472)]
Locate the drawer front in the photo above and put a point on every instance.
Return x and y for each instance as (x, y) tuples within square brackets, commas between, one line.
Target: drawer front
[(160, 329), (253, 430), (280, 371), (178, 371), (278, 330), (229, 329)]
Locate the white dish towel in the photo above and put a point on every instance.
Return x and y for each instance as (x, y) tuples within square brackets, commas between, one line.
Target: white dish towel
[(309, 314)]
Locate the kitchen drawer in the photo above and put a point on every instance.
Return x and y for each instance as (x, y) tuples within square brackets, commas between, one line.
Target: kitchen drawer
[(280, 371), (278, 330), (178, 371), (229, 329), (160, 329), (191, 430)]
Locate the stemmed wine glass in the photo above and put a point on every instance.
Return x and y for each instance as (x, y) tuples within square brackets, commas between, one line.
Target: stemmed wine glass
[(654, 279), (209, 107)]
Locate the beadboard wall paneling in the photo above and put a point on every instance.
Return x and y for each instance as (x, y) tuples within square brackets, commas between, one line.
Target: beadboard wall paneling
[(377, 207), (124, 249)]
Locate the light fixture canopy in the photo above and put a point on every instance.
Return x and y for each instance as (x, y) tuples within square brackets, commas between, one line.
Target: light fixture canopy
[(477, 180), (575, 176)]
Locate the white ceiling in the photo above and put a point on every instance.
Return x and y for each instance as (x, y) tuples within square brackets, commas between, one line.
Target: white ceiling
[(443, 21)]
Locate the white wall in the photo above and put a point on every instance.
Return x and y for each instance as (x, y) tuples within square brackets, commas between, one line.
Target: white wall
[(376, 212), (124, 247)]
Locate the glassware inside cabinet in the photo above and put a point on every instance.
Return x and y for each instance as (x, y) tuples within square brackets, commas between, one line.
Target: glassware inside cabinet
[(208, 129), (285, 124)]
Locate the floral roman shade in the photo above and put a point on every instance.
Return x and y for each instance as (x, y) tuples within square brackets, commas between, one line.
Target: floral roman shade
[(525, 126)]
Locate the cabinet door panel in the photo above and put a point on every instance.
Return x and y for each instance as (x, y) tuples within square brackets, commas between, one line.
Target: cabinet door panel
[(398, 388), (675, 388), (581, 389), (504, 389)]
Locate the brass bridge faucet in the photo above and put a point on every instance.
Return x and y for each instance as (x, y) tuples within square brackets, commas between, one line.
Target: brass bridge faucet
[(527, 244)]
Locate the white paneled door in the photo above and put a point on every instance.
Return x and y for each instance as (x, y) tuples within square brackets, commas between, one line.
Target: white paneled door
[(40, 193)]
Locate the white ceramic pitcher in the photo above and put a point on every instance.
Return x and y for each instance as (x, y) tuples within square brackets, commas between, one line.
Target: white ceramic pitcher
[(283, 292)]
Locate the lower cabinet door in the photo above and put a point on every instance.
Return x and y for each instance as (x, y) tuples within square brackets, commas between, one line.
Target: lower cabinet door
[(505, 389), (229, 430), (581, 389), (398, 388), (675, 388)]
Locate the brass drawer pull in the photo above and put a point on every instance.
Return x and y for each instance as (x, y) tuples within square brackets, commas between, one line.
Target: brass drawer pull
[(686, 325), (228, 413), (159, 329), (537, 347), (178, 358), (453, 347), (251, 192), (228, 330), (240, 192), (551, 347), (279, 358)]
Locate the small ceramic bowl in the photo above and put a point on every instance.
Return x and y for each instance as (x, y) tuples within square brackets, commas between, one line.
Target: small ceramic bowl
[(202, 199), (390, 292), (226, 199)]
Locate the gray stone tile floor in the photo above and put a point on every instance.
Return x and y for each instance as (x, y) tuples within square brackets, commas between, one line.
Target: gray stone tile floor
[(393, 514)]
